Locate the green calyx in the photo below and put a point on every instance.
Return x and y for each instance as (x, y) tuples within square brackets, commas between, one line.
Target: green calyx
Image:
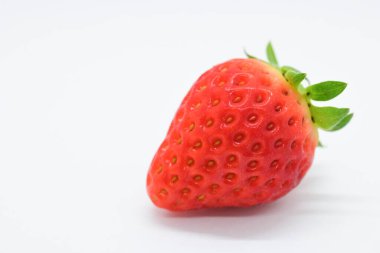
[(327, 118)]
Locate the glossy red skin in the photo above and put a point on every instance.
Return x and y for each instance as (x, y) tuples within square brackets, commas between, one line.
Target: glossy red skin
[(256, 161)]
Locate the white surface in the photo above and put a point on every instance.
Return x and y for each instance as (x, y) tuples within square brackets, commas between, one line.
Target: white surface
[(87, 92)]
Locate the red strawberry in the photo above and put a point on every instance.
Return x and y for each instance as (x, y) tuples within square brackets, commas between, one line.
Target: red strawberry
[(244, 134)]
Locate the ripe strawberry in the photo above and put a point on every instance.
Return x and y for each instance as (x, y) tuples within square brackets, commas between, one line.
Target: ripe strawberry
[(244, 134)]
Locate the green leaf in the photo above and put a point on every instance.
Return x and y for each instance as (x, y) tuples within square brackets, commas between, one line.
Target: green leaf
[(325, 90), (249, 55), (271, 55), (343, 122), (295, 78), (328, 117), (285, 69)]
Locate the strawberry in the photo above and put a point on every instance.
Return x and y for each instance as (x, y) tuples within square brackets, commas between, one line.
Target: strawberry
[(245, 134)]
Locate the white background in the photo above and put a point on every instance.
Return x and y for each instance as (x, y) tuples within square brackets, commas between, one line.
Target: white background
[(87, 92)]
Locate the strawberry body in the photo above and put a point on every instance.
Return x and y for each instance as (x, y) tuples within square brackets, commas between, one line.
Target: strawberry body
[(242, 136)]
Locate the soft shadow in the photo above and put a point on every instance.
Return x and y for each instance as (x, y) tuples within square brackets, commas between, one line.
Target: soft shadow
[(239, 223), (264, 222)]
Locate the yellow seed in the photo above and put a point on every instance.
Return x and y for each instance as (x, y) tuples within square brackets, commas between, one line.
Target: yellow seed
[(278, 143), (185, 192), (201, 197), (270, 182), (256, 147), (252, 118), (236, 99), (215, 102), (270, 126), (239, 137), (163, 192), (211, 163), (174, 179), (274, 163), (259, 99), (221, 83), (231, 158), (230, 176), (191, 127), (198, 178), (252, 164), (190, 161), (159, 170), (155, 198), (252, 179), (217, 143), (197, 105), (209, 122), (214, 186), (174, 160), (229, 119), (197, 145), (202, 87)]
